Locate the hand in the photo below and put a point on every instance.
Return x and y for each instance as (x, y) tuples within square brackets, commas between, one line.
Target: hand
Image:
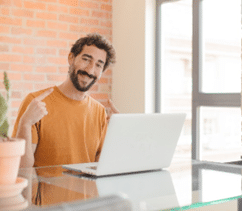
[(111, 109), (36, 109)]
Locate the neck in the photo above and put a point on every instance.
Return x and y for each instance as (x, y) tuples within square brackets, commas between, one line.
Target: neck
[(70, 91)]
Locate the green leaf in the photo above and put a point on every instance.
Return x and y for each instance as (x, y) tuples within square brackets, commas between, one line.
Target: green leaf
[(6, 84), (3, 109), (4, 128)]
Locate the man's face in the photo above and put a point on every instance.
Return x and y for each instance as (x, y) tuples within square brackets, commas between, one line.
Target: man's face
[(86, 68)]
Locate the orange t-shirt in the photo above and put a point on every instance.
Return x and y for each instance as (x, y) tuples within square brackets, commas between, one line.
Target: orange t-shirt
[(72, 131)]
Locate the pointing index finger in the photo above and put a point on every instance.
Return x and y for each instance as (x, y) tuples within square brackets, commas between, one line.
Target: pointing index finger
[(112, 106), (44, 95)]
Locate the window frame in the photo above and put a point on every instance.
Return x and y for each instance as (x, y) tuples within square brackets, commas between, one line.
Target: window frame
[(198, 98)]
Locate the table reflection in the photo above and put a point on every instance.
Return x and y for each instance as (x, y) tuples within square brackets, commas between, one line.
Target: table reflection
[(147, 191), (198, 184)]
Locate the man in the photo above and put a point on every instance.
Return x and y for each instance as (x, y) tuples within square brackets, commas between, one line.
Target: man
[(62, 124)]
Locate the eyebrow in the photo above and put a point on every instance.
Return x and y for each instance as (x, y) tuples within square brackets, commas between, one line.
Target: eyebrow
[(91, 57)]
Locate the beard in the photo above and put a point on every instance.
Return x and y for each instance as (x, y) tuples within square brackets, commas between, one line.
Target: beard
[(75, 81)]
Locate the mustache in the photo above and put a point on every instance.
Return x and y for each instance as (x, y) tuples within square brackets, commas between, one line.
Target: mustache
[(82, 72)]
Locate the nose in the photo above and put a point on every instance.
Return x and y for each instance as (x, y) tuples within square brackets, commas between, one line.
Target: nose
[(90, 68)]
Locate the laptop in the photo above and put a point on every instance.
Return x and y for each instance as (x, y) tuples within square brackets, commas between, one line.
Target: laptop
[(136, 143)]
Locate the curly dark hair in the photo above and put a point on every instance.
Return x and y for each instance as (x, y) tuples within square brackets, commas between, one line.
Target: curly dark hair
[(100, 42)]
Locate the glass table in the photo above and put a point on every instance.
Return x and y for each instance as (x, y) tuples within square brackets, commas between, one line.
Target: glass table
[(184, 186)]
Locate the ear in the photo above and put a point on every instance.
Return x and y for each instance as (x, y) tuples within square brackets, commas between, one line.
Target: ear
[(70, 58)]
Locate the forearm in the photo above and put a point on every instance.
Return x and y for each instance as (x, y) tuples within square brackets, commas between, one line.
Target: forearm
[(24, 132)]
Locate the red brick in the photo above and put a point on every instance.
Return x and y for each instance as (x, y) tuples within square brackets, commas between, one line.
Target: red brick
[(69, 36), (104, 88), (4, 48), (41, 60), (21, 67), (88, 4), (46, 16), (79, 12), (78, 28), (4, 29), (99, 96), (56, 77), (57, 26), (16, 94), (17, 3), (68, 18), (106, 7), (33, 41), (5, 3), (49, 1), (103, 81), (29, 59), (10, 58), (19, 31), (15, 103), (35, 23), (14, 113), (107, 24), (4, 11), (98, 14), (105, 103), (102, 0), (23, 13), (63, 52), (34, 5), (14, 76), (57, 8), (21, 86), (107, 72), (101, 31), (23, 50), (63, 70), (40, 86), (46, 69), (46, 33), (10, 21), (4, 66), (34, 77), (73, 3), (94, 88), (56, 43), (58, 60), (11, 40), (46, 51), (90, 22)]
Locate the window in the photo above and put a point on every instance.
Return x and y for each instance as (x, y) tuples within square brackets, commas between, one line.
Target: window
[(199, 73)]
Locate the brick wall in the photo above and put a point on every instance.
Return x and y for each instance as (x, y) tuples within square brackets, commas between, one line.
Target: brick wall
[(35, 39)]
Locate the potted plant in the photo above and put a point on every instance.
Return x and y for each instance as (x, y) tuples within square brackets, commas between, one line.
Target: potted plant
[(11, 149)]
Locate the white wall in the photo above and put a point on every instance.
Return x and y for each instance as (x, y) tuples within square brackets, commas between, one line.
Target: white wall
[(134, 41)]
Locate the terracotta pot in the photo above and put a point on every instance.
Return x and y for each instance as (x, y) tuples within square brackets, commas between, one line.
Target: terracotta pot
[(10, 155), (17, 202)]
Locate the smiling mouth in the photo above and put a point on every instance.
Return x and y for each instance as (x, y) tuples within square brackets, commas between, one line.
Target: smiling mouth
[(84, 79)]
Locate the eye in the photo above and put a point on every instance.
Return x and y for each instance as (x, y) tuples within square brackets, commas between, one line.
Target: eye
[(85, 59), (98, 65)]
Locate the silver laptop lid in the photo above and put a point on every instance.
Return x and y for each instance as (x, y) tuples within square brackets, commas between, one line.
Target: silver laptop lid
[(139, 142)]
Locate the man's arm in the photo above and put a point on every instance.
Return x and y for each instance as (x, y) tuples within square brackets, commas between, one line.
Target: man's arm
[(24, 132), (33, 114)]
